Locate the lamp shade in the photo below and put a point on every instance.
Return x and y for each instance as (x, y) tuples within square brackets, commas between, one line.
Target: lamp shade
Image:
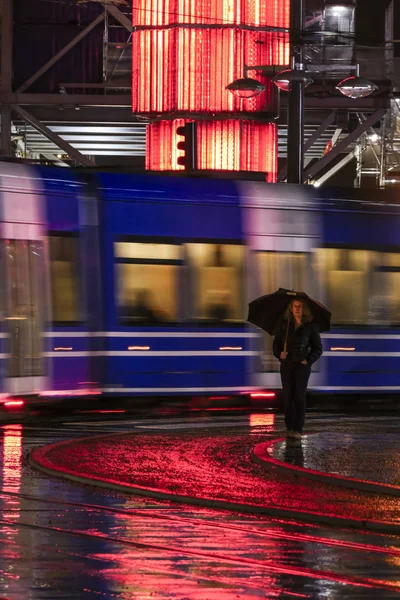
[(286, 78), (356, 87), (246, 87)]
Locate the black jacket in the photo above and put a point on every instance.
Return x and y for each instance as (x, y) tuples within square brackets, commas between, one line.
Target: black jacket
[(304, 343)]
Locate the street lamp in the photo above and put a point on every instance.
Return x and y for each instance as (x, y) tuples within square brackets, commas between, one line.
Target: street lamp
[(285, 79), (294, 81), (356, 87), (246, 87)]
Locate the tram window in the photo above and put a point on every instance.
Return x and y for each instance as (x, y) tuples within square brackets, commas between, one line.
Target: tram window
[(345, 275), (26, 306), (147, 281), (384, 308), (274, 270), (64, 278), (281, 269), (216, 273)]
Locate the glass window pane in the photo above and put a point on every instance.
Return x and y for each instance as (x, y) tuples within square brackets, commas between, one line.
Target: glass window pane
[(216, 272), (25, 304), (347, 295), (140, 250), (281, 269), (64, 278), (146, 292), (346, 277), (384, 306)]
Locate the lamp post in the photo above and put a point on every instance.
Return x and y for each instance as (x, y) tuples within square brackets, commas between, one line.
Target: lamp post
[(295, 114), (294, 81)]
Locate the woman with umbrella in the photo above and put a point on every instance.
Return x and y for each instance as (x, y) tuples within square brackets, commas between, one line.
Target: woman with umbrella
[(297, 344)]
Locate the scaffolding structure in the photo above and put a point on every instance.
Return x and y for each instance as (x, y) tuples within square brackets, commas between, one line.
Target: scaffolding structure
[(86, 120)]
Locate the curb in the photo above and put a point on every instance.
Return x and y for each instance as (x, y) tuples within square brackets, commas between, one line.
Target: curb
[(310, 517), (261, 456)]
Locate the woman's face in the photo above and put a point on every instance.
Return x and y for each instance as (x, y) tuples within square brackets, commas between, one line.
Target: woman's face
[(297, 310)]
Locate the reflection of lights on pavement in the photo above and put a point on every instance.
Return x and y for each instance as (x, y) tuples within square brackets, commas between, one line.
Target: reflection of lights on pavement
[(12, 457), (261, 419), (103, 412)]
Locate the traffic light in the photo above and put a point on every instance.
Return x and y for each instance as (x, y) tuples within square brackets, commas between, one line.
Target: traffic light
[(188, 145)]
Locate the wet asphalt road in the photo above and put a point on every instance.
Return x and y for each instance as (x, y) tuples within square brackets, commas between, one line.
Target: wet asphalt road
[(64, 540)]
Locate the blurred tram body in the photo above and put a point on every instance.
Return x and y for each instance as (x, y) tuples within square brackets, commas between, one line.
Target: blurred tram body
[(138, 285)]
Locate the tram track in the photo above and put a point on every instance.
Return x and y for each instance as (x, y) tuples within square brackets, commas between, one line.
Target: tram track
[(270, 566), (167, 535), (268, 533)]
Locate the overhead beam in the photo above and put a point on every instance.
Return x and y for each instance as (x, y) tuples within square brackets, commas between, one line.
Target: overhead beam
[(342, 163), (342, 102), (53, 137), (65, 99), (310, 173), (361, 105), (60, 54), (312, 139), (57, 161), (89, 115)]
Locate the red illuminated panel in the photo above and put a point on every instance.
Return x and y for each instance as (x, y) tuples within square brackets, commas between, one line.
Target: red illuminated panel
[(180, 65), (232, 145), (225, 12)]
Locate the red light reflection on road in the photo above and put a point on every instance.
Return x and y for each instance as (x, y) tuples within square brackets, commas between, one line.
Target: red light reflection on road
[(99, 411), (12, 457), (12, 467), (257, 420)]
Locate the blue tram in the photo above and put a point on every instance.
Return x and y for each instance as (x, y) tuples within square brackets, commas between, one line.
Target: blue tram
[(138, 285)]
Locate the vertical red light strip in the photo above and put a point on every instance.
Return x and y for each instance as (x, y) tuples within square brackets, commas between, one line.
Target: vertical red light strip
[(164, 56), (234, 12), (179, 70)]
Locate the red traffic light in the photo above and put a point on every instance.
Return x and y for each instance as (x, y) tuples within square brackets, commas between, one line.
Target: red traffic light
[(188, 146), (182, 130)]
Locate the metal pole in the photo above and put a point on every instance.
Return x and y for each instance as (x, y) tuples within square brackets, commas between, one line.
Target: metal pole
[(295, 141), (6, 76)]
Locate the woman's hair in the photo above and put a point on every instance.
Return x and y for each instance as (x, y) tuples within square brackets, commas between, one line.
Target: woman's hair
[(307, 314)]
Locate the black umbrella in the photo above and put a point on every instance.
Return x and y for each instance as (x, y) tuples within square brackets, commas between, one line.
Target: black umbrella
[(267, 311)]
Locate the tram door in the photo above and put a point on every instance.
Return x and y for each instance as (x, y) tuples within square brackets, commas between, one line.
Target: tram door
[(25, 290), (282, 233)]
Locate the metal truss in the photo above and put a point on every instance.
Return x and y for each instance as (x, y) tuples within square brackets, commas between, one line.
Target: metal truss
[(69, 128)]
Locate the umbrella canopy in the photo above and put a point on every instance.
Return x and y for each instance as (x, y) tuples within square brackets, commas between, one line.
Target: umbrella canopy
[(267, 311)]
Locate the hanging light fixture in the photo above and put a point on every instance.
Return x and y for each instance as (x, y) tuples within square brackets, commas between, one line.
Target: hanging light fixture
[(246, 87), (286, 78), (356, 87)]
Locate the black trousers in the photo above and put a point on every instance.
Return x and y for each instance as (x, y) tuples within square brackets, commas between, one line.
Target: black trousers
[(295, 376)]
